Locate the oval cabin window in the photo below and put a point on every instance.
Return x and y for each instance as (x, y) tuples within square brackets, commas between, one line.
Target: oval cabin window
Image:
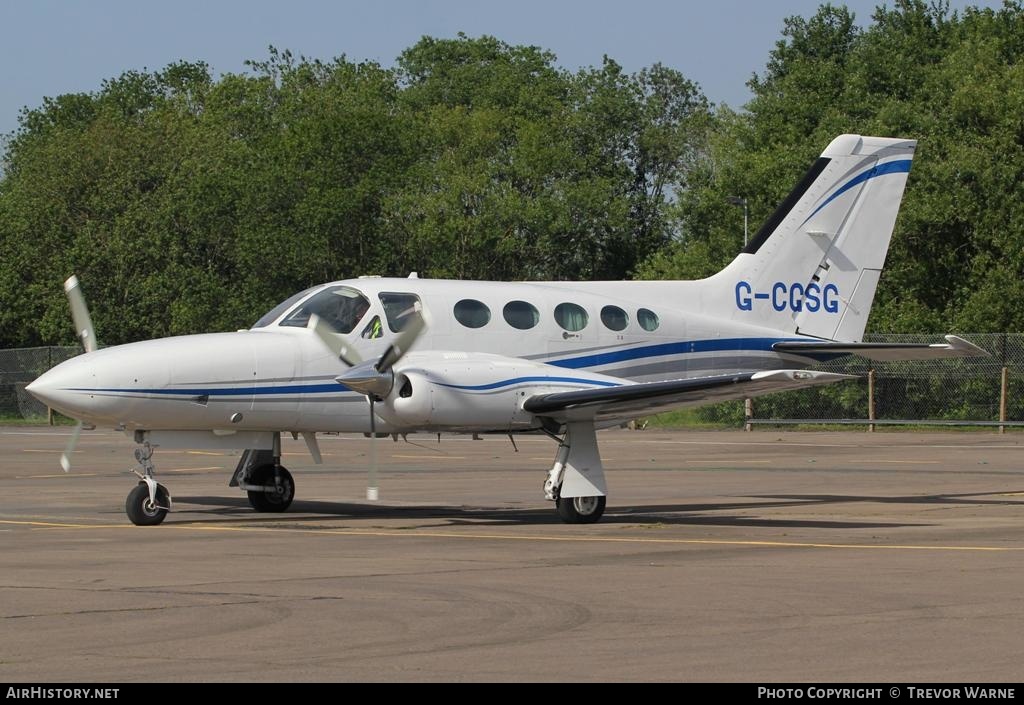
[(647, 319), (521, 315), (571, 317), (614, 318), (472, 313)]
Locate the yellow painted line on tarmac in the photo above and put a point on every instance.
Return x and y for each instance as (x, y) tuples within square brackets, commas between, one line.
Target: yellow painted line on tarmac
[(57, 525), (723, 461), (45, 450), (59, 474), (203, 452), (906, 462), (210, 467), (412, 533)]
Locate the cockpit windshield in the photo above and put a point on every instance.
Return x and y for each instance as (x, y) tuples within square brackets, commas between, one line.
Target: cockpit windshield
[(273, 314), (341, 307)]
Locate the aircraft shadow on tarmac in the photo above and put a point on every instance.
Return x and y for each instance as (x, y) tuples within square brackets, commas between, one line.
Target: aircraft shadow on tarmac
[(237, 510)]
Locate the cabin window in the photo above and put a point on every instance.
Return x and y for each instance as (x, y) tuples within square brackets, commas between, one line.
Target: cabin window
[(339, 307), (571, 317), (521, 315), (614, 318), (399, 309), (647, 319), (472, 313)]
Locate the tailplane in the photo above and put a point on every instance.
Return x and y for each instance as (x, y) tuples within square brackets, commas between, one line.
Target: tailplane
[(813, 267)]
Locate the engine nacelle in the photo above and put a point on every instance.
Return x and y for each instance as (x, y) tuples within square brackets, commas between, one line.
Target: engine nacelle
[(473, 391)]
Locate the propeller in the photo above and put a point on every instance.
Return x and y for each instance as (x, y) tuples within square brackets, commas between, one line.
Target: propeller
[(334, 342), (85, 333), (375, 380), (80, 314)]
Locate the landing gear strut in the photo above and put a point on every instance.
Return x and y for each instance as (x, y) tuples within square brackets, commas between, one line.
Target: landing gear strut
[(149, 501), (576, 480)]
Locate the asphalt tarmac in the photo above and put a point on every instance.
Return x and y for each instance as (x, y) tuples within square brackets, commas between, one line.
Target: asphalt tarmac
[(723, 556)]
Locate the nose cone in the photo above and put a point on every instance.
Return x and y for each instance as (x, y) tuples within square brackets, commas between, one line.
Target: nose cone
[(58, 388)]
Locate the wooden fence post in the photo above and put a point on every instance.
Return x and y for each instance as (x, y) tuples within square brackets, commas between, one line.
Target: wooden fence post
[(871, 400), (1003, 386)]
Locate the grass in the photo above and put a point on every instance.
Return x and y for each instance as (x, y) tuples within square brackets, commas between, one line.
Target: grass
[(19, 420), (687, 418)]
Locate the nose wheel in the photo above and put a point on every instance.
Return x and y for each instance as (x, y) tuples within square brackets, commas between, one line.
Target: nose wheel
[(144, 511), (149, 501)]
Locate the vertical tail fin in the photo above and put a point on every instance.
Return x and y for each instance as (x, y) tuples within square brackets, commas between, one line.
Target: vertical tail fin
[(814, 265)]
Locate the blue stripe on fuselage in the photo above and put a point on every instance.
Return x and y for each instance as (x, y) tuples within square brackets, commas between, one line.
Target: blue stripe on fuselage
[(693, 346), (233, 391), (520, 380)]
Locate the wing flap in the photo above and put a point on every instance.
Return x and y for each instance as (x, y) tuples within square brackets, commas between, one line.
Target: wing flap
[(631, 400), (885, 352)]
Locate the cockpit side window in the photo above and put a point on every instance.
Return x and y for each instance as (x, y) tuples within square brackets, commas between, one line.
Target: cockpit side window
[(340, 307), (373, 329), (398, 309)]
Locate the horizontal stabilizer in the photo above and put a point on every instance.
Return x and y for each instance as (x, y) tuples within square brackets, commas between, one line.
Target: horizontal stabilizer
[(885, 352), (631, 400)]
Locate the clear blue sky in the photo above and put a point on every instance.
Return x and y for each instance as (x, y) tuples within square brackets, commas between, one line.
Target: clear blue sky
[(49, 47)]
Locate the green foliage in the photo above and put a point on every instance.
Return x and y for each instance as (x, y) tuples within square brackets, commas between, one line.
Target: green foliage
[(188, 203), (953, 81)]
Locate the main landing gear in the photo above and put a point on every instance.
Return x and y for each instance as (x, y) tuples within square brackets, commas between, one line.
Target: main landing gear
[(269, 485), (575, 482)]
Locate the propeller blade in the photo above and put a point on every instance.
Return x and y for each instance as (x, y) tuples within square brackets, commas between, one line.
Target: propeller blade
[(65, 458), (372, 491), (80, 314), (334, 342), (404, 340)]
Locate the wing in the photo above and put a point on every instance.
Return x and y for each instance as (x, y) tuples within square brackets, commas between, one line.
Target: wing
[(885, 352), (631, 400)]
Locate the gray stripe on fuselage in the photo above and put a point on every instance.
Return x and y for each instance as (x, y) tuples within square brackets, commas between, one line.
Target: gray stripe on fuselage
[(571, 352), (695, 364)]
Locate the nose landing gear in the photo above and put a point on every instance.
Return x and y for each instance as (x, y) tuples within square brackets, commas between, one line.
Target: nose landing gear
[(149, 501)]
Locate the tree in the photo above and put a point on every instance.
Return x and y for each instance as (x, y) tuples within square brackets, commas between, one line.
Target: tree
[(188, 203), (918, 70)]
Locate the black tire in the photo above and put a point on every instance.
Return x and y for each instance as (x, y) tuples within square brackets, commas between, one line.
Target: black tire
[(140, 511), (580, 510), (271, 501)]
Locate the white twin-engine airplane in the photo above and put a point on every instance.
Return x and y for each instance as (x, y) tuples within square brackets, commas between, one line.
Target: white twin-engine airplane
[(394, 356)]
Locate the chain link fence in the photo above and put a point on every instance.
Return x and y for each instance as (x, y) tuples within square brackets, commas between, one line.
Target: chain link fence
[(18, 367), (951, 390)]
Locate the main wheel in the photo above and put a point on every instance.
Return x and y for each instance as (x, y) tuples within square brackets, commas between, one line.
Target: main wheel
[(580, 510), (271, 501), (141, 511)]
